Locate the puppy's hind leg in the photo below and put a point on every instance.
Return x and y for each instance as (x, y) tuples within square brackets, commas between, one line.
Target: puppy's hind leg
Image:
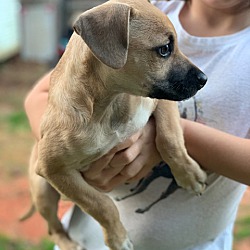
[(46, 202), (45, 198), (70, 183)]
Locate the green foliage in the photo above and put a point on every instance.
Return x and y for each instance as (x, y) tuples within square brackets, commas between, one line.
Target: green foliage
[(243, 228), (9, 244), (15, 121)]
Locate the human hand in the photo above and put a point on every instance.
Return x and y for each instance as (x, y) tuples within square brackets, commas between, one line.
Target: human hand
[(127, 162)]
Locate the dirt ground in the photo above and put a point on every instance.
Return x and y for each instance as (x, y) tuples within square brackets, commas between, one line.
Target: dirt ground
[(16, 78)]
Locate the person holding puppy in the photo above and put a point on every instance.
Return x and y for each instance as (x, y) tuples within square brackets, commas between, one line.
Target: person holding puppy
[(214, 35)]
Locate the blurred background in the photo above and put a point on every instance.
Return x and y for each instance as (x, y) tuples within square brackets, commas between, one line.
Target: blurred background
[(33, 36)]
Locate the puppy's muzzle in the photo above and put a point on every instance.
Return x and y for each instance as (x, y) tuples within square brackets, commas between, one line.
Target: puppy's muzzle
[(179, 85)]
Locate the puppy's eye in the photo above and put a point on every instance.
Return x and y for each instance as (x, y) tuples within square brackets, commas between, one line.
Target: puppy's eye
[(164, 51)]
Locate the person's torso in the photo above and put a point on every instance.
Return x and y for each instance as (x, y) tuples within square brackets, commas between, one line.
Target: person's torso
[(183, 220)]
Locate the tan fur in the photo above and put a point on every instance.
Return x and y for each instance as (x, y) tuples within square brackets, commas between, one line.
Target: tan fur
[(99, 97)]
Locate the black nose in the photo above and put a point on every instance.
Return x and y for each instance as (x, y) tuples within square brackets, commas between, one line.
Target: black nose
[(202, 79)]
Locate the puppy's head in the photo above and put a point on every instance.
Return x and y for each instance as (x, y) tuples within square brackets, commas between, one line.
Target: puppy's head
[(137, 45)]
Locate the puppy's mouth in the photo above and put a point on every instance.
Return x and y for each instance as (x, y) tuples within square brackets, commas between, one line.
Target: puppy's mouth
[(178, 86), (177, 93)]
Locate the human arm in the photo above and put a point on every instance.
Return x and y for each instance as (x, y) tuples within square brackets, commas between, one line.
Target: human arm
[(217, 151), (36, 102)]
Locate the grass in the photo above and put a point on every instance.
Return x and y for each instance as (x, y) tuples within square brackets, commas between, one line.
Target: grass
[(243, 228), (15, 121), (16, 141), (10, 244)]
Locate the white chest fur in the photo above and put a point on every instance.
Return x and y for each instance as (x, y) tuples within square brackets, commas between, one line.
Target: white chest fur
[(136, 122), (103, 138)]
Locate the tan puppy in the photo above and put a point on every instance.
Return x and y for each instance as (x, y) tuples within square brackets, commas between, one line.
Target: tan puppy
[(122, 53)]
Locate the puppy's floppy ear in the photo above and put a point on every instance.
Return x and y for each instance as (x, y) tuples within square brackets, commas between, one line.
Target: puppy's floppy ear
[(105, 29)]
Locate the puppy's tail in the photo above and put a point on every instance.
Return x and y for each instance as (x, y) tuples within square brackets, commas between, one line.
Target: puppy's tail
[(27, 215)]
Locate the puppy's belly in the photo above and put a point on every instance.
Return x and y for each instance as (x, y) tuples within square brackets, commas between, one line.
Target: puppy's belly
[(104, 138)]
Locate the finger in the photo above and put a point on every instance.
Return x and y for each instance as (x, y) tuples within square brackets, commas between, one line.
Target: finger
[(105, 183), (127, 143), (127, 156), (111, 171), (113, 183), (97, 167), (131, 170), (135, 173), (102, 177), (137, 169), (142, 173)]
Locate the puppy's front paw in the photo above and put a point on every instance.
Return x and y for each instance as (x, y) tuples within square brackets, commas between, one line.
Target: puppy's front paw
[(71, 246), (80, 248), (127, 245), (191, 177)]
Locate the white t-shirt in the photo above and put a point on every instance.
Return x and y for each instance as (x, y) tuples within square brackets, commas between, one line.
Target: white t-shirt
[(184, 221)]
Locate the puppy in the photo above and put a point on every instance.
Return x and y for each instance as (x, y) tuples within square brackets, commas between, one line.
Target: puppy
[(122, 58)]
